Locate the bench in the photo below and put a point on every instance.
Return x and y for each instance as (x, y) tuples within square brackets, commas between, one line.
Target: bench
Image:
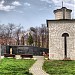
[(9, 55), (26, 56)]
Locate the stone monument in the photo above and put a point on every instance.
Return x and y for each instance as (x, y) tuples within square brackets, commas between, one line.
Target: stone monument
[(62, 35)]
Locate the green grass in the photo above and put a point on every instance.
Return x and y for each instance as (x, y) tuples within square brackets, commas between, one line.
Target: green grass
[(59, 67), (10, 66)]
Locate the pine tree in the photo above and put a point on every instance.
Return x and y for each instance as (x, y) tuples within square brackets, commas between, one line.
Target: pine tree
[(30, 39)]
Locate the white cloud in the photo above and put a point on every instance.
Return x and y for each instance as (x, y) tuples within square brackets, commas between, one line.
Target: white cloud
[(44, 8), (7, 7), (56, 1), (48, 1), (27, 4), (16, 3), (59, 2), (2, 2), (21, 12)]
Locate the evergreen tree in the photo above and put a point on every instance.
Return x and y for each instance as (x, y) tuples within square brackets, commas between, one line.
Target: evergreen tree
[(30, 39)]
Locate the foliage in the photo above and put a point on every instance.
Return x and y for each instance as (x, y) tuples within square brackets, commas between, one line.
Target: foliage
[(59, 67), (10, 66), (30, 39)]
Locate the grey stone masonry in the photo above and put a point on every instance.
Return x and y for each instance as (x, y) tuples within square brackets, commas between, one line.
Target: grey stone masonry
[(63, 13), (56, 41)]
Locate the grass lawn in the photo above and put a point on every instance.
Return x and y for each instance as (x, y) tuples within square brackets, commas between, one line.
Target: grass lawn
[(59, 67), (11, 66)]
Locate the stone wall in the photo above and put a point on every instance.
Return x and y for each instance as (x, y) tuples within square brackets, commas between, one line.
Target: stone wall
[(21, 49), (59, 15), (56, 41)]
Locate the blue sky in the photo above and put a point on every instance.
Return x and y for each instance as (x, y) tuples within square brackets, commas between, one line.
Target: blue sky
[(31, 13)]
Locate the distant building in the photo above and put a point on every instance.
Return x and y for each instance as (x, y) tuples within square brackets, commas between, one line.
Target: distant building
[(62, 35)]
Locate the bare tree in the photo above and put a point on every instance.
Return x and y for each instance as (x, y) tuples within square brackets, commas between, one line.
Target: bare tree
[(45, 34), (41, 36), (34, 35), (2, 33), (10, 28), (17, 34), (22, 37), (11, 33)]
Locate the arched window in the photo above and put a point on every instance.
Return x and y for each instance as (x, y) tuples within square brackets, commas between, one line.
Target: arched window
[(65, 35)]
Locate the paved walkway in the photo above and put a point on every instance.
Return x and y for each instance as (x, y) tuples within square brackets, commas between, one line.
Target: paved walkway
[(36, 69)]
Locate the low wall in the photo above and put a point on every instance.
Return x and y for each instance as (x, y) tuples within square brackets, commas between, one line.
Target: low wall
[(20, 49)]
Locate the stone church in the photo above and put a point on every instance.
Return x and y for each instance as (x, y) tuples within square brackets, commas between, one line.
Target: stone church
[(62, 35)]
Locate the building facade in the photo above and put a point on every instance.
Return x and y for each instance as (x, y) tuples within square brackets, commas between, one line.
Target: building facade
[(62, 35)]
